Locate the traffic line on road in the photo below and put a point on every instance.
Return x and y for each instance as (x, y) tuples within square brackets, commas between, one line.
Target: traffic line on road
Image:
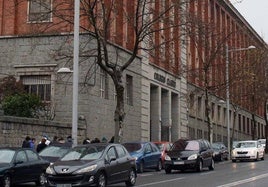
[(159, 182), (244, 181)]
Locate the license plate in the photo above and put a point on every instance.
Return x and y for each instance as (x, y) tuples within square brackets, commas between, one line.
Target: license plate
[(178, 163), (63, 185)]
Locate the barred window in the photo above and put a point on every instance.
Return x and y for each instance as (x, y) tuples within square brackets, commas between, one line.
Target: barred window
[(39, 85), (104, 84), (40, 10)]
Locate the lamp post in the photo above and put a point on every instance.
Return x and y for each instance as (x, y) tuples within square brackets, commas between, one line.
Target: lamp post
[(227, 90), (75, 71)]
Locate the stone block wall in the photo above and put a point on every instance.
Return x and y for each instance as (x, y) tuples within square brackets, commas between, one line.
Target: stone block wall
[(14, 130)]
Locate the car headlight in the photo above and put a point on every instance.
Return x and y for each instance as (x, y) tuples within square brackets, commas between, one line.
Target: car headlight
[(192, 157), (233, 152), (50, 170), (167, 157), (86, 169)]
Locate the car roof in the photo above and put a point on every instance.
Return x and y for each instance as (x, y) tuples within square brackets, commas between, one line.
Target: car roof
[(15, 148)]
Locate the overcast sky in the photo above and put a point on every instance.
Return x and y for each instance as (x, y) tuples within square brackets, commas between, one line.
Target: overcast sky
[(256, 13)]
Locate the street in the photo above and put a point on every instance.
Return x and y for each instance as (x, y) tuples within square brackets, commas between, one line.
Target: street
[(226, 174)]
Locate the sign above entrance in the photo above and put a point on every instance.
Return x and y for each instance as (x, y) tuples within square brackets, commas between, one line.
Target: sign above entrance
[(165, 80)]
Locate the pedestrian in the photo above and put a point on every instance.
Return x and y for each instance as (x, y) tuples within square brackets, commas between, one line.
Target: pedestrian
[(86, 141), (55, 140), (69, 141), (104, 140), (32, 143), (26, 142), (41, 145)]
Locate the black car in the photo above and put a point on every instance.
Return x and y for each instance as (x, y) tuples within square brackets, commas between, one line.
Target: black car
[(220, 151), (93, 164), (54, 152), (189, 154), (21, 165)]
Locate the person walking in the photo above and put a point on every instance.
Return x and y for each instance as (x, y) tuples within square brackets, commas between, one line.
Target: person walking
[(41, 145), (26, 142)]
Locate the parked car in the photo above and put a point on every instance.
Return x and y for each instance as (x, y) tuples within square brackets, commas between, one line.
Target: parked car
[(234, 144), (21, 165), (93, 164), (248, 150), (220, 151), (147, 155), (163, 146), (263, 142), (189, 154), (54, 152)]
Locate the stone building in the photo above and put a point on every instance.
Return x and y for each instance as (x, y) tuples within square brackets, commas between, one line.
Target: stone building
[(164, 100)]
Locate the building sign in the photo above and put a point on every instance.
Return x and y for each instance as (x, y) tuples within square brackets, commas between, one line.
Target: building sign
[(165, 80)]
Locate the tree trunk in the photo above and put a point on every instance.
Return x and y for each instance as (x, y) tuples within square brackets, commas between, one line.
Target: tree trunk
[(207, 112), (119, 114), (266, 126), (254, 127)]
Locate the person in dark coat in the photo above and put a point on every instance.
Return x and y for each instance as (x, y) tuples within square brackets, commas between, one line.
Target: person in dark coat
[(41, 146), (26, 142)]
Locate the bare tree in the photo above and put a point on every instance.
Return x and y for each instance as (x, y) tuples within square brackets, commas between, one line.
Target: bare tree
[(153, 27)]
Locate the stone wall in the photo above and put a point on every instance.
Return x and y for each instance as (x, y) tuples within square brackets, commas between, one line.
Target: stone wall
[(15, 129)]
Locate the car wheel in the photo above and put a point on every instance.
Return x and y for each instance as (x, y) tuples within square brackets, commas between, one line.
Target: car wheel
[(6, 181), (221, 157), (42, 180), (257, 157), (159, 166), (131, 178), (141, 168), (168, 170), (101, 180), (212, 165), (262, 157), (233, 160), (199, 166)]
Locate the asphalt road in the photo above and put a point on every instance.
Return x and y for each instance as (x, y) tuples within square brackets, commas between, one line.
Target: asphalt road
[(226, 174)]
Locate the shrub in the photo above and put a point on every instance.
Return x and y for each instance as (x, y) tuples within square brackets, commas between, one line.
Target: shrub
[(22, 105)]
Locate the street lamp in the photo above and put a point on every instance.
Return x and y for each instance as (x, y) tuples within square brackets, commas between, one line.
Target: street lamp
[(75, 72), (227, 89)]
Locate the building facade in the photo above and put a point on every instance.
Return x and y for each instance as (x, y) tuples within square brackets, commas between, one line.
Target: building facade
[(164, 88)]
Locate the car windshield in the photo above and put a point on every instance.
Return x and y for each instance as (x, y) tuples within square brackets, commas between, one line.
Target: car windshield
[(183, 145), (132, 147), (54, 151), (84, 153), (245, 144), (6, 156)]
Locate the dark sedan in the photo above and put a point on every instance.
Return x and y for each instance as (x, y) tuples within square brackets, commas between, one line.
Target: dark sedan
[(93, 164), (21, 165), (189, 154), (220, 151)]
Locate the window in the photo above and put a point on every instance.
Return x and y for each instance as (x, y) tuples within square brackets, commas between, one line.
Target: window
[(39, 85), (104, 84), (129, 90), (31, 155), (39, 10), (120, 151), (21, 157)]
